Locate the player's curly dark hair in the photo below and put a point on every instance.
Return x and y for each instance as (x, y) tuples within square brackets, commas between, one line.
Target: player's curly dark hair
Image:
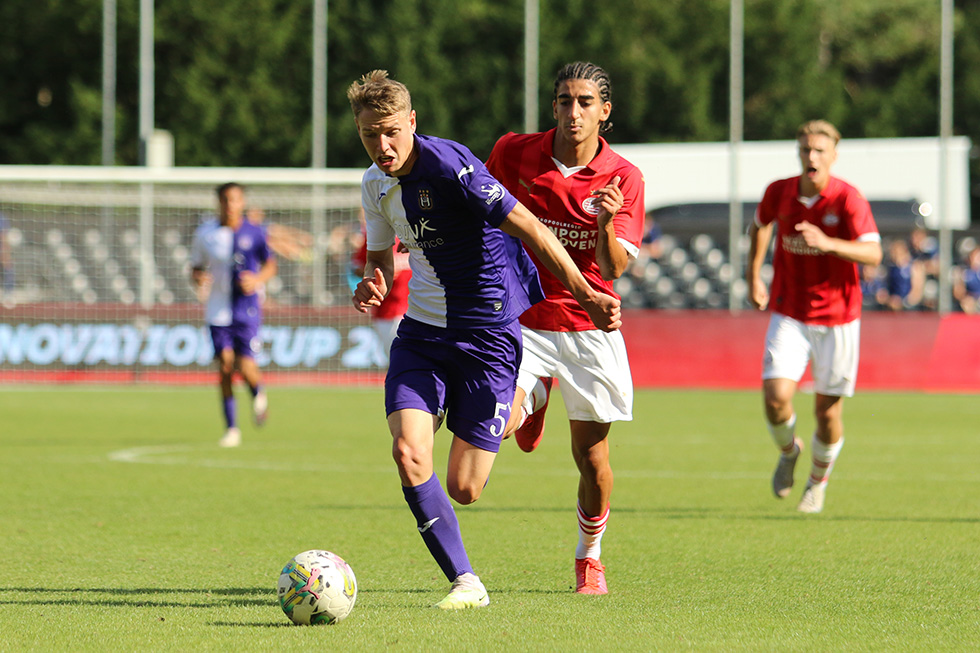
[(592, 73)]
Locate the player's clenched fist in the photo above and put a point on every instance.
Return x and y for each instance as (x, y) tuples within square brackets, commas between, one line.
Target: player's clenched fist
[(370, 291)]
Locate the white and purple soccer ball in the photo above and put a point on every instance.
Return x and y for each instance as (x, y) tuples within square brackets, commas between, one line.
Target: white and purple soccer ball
[(317, 587)]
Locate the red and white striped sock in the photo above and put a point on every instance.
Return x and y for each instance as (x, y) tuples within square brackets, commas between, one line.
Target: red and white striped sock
[(590, 530), (824, 457)]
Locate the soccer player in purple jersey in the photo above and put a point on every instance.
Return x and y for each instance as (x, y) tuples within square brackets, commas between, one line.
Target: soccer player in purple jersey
[(458, 349), (230, 262)]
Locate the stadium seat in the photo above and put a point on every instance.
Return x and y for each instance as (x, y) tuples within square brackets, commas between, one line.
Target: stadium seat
[(701, 244)]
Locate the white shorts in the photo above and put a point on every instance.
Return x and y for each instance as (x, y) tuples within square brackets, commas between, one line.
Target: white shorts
[(592, 369), (833, 350)]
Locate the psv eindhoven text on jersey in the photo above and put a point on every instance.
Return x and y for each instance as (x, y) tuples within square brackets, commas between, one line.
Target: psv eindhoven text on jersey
[(525, 165), (808, 285)]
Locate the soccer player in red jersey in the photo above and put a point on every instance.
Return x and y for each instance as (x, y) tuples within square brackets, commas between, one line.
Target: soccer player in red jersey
[(825, 230), (592, 199)]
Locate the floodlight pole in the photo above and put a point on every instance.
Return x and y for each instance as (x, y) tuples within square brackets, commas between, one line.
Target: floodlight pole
[(146, 133), (319, 84), (108, 82), (531, 47), (736, 92), (146, 80), (945, 133), (318, 217)]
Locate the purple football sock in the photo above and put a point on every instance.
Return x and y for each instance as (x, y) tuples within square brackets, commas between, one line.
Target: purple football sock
[(228, 404), (438, 525)]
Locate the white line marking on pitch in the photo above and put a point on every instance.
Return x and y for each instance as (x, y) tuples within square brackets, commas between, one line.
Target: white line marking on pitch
[(181, 455)]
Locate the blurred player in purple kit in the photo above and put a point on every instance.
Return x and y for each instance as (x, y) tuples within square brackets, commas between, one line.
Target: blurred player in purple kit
[(458, 349), (230, 262)]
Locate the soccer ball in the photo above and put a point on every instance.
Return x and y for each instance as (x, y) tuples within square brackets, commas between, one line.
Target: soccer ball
[(317, 587)]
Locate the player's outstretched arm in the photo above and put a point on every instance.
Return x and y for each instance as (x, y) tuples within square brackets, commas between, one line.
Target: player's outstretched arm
[(603, 309), (378, 273)]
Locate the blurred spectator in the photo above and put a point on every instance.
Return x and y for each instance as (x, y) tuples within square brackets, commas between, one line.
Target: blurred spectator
[(904, 281), (924, 251), (873, 289), (6, 258), (966, 283), (652, 243)]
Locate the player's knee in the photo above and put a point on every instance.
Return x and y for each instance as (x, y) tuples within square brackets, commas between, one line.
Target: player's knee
[(464, 488), (828, 409), (410, 460), (464, 494), (779, 407)]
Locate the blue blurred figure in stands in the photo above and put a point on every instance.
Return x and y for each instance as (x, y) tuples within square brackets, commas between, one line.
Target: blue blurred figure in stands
[(652, 238), (874, 292), (904, 280), (966, 283), (924, 251)]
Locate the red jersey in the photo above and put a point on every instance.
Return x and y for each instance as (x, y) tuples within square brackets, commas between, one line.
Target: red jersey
[(809, 286), (395, 303), (524, 164)]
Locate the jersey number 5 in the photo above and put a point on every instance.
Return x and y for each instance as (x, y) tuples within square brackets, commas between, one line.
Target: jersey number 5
[(501, 418)]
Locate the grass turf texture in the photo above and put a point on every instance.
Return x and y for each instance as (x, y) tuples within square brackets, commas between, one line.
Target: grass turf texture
[(124, 526)]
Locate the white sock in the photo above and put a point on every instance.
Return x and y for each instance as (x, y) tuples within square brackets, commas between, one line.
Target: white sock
[(533, 400), (590, 530), (523, 418), (784, 435), (824, 457)]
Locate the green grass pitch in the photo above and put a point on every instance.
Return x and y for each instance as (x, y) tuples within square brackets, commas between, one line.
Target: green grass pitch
[(124, 527)]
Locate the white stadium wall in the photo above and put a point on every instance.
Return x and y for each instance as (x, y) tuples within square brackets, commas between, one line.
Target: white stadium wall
[(884, 169), (100, 289)]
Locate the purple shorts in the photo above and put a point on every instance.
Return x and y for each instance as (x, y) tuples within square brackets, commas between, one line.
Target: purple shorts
[(241, 337), (470, 374)]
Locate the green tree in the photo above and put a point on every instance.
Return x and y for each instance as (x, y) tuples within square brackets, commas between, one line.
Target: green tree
[(233, 77)]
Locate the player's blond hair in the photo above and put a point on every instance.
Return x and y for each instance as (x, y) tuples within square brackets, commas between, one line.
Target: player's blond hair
[(818, 128), (376, 91)]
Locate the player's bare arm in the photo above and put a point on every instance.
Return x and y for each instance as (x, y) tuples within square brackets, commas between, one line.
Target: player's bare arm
[(610, 254), (379, 270), (603, 309), (759, 238), (855, 251), (252, 281)]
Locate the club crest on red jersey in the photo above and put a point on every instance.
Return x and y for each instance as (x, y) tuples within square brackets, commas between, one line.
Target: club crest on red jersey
[(591, 205), (831, 220)]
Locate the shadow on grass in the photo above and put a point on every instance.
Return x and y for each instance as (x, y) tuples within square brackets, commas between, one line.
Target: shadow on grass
[(728, 514), (699, 513), (130, 597), (253, 624)]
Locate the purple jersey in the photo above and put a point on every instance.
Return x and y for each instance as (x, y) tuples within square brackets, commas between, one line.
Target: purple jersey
[(466, 272), (225, 254), (250, 253)]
